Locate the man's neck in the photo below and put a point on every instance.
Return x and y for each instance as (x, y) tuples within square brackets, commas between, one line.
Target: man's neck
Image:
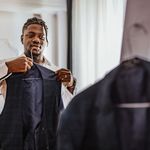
[(37, 59)]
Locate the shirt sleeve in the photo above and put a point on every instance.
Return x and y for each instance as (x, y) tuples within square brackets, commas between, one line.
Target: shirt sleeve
[(66, 96), (2, 102), (3, 74), (3, 69)]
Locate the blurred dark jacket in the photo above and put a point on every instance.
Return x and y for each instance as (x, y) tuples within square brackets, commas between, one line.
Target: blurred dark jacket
[(96, 119)]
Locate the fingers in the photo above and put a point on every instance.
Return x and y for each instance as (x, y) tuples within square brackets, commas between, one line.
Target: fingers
[(20, 64), (25, 63), (29, 62), (64, 75), (28, 66)]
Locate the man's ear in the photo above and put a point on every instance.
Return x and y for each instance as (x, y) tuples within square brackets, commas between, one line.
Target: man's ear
[(21, 39)]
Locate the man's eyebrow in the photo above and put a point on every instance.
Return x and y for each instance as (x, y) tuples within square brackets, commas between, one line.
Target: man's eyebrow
[(36, 33), (31, 32)]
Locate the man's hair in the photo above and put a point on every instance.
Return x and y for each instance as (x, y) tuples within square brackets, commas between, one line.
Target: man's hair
[(35, 20)]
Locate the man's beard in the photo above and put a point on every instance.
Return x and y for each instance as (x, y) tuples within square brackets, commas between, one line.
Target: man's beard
[(31, 55)]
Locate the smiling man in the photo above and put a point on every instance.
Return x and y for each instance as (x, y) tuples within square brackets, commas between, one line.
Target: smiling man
[(34, 39)]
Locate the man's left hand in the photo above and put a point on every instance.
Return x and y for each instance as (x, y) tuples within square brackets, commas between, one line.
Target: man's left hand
[(65, 76)]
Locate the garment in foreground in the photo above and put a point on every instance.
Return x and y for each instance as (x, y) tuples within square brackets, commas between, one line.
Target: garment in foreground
[(112, 114), (30, 115)]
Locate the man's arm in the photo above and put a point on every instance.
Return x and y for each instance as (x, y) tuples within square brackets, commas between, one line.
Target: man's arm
[(3, 69), (20, 64), (66, 77), (68, 85)]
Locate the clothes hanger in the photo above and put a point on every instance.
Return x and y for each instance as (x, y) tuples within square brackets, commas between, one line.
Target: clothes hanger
[(131, 63)]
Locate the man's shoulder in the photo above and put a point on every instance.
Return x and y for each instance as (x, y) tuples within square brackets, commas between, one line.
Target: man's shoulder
[(50, 65)]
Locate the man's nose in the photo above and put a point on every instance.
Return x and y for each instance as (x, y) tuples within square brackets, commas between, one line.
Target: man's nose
[(36, 40)]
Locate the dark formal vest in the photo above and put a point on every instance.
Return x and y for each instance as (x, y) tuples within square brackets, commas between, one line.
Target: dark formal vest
[(30, 115)]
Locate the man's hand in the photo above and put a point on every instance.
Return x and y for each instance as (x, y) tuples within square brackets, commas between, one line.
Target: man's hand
[(20, 64), (66, 77)]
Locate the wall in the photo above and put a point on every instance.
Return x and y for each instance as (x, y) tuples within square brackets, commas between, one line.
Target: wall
[(136, 30)]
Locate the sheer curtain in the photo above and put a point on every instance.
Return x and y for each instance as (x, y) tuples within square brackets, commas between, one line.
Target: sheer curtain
[(97, 37)]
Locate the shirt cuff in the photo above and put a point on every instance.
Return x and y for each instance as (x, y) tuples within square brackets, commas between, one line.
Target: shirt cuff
[(66, 96)]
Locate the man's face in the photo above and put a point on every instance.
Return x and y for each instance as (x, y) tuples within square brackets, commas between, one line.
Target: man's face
[(34, 40)]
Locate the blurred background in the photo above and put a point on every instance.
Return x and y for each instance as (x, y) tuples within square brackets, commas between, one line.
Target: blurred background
[(84, 35)]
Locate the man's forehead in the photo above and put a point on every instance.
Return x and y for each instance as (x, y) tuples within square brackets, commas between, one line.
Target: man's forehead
[(35, 27)]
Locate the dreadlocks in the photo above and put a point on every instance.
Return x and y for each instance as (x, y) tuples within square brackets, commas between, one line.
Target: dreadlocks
[(35, 20)]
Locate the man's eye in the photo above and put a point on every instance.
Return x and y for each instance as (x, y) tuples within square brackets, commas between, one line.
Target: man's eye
[(30, 35)]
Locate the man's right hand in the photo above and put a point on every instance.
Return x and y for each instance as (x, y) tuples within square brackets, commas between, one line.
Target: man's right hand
[(20, 64)]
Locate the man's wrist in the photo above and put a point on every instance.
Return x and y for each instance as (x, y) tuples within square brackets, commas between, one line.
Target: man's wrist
[(72, 87)]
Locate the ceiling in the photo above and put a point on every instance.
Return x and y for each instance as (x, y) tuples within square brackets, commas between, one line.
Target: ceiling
[(32, 5)]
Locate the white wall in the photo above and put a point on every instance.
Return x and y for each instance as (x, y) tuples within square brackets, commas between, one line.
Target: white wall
[(136, 39), (57, 36), (9, 35)]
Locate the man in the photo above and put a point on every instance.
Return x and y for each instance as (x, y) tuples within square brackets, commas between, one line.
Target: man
[(42, 132), (34, 39)]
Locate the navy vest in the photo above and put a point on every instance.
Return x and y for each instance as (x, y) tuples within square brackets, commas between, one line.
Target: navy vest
[(30, 115)]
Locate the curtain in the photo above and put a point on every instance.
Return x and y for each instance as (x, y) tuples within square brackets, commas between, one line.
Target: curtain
[(96, 37)]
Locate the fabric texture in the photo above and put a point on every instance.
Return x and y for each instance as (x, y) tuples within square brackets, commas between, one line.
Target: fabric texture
[(30, 115)]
